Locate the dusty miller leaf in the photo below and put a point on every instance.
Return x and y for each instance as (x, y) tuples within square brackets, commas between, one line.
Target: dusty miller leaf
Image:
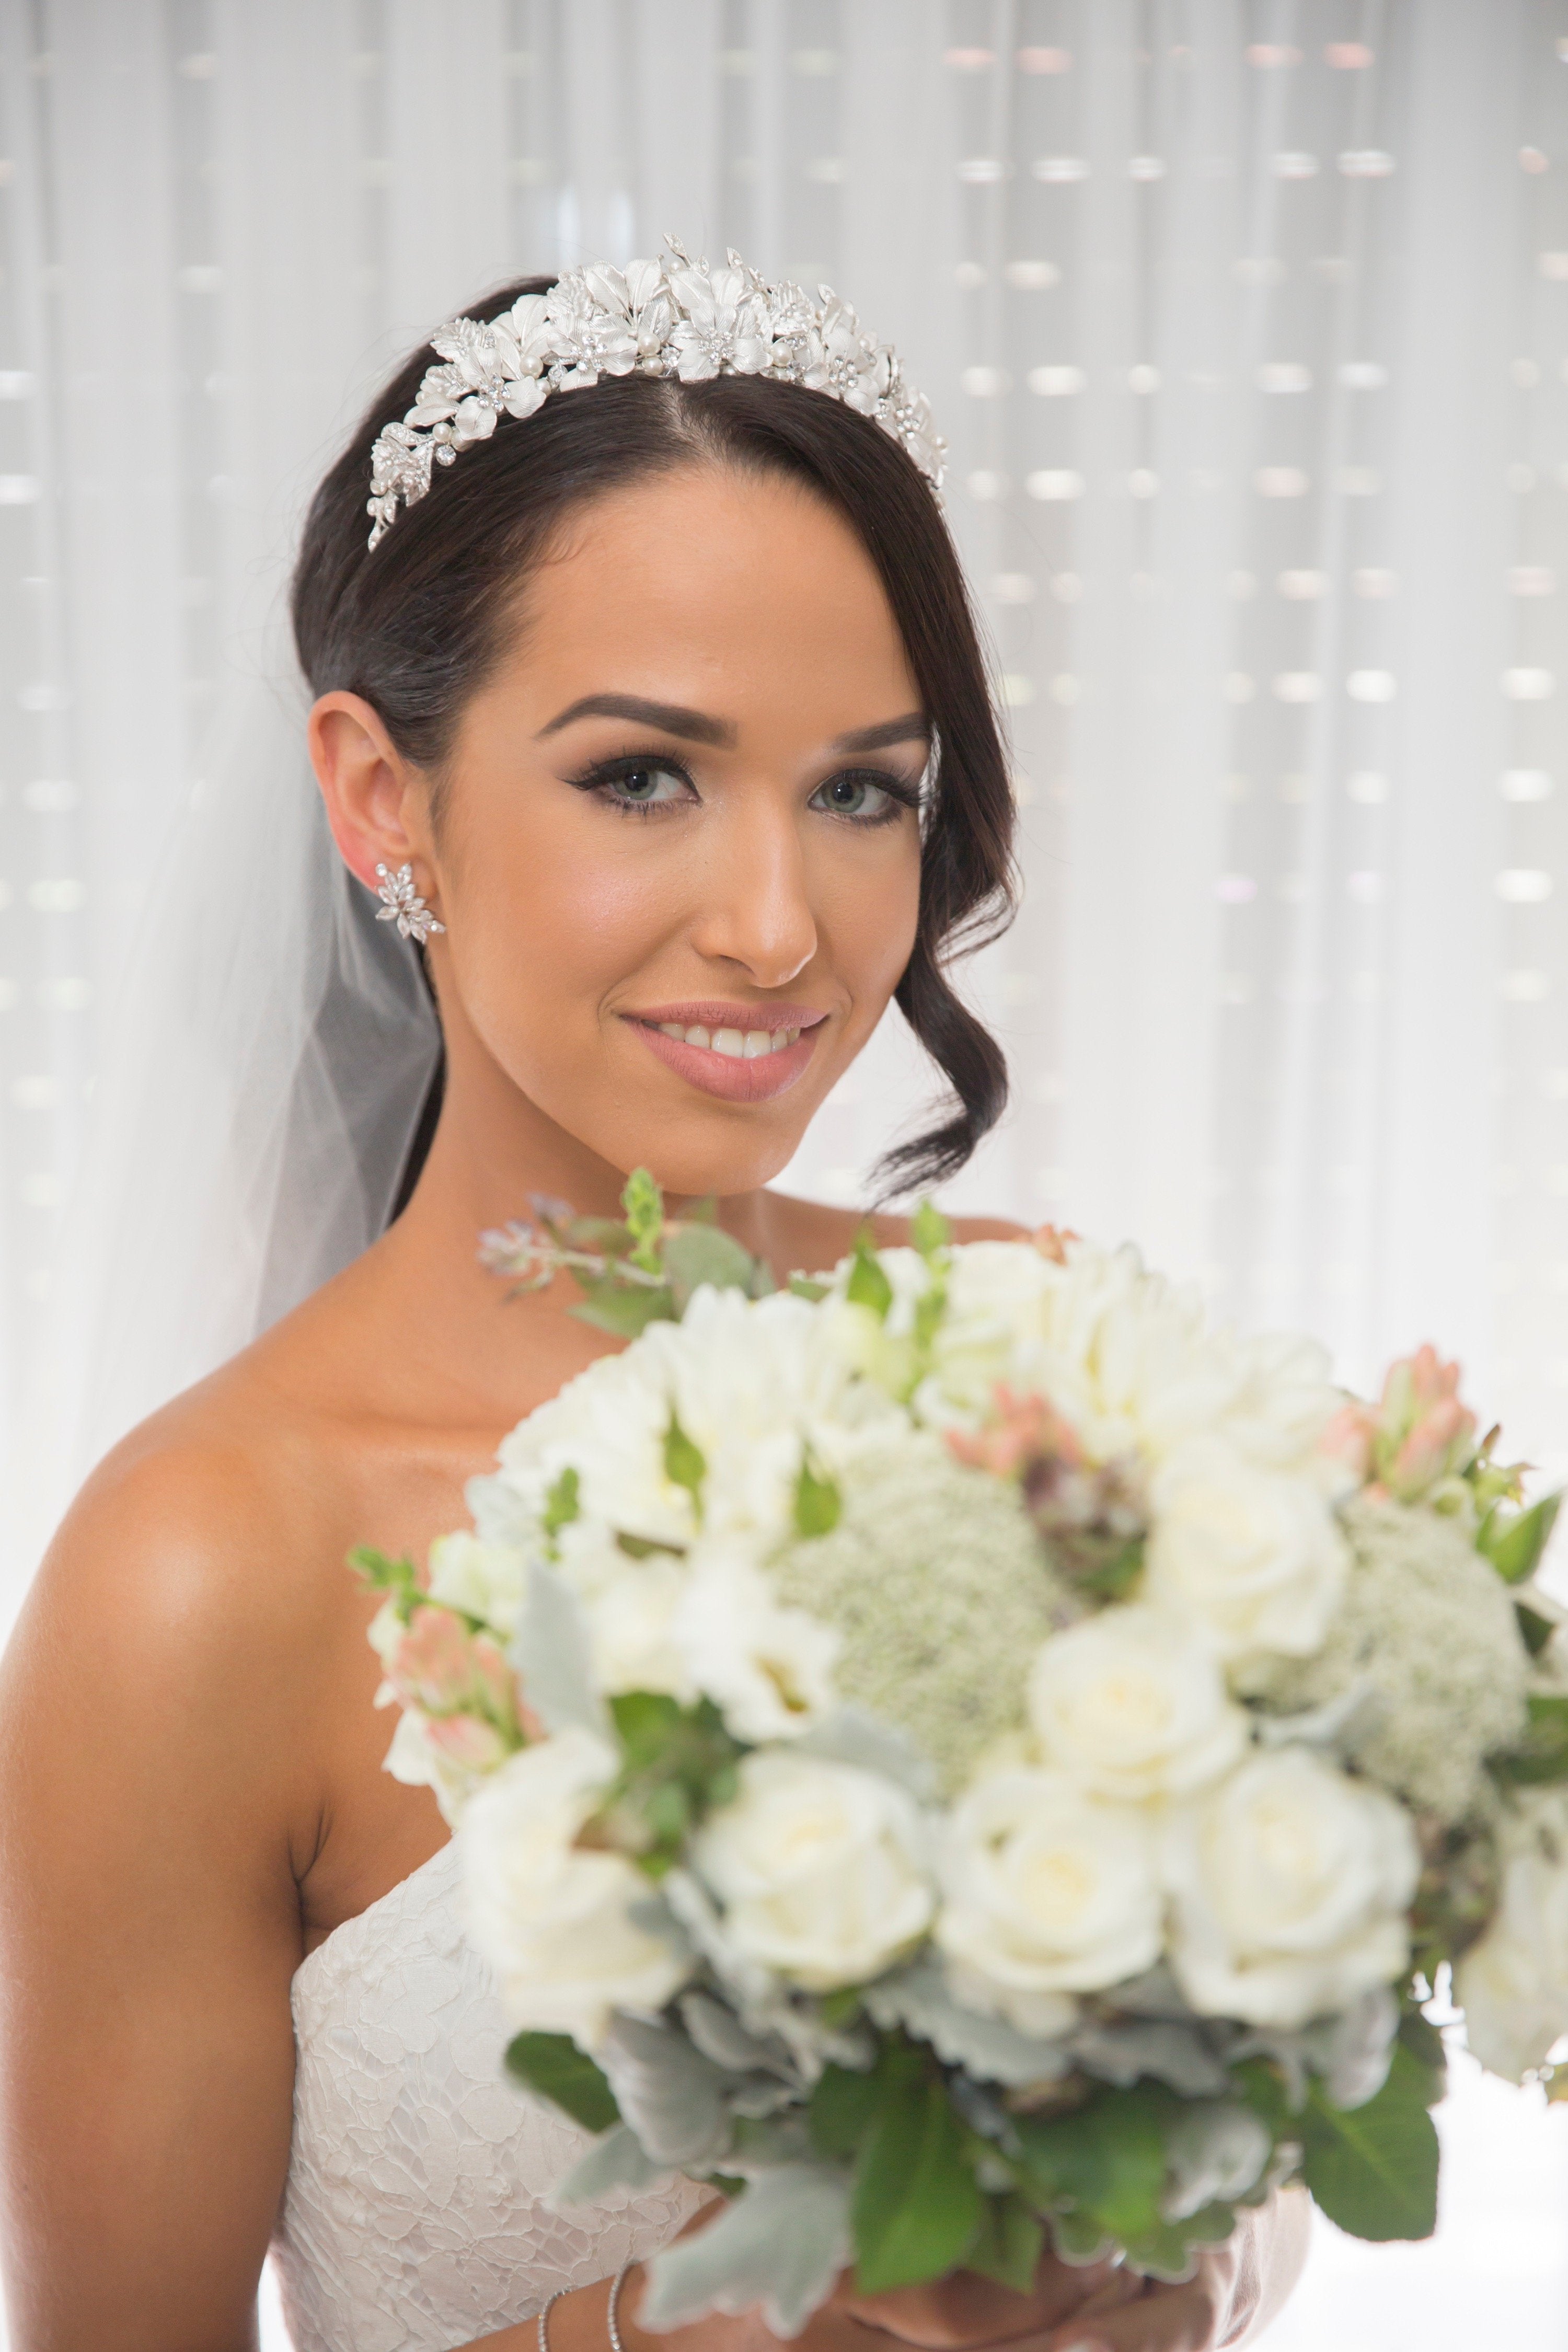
[(782, 2244)]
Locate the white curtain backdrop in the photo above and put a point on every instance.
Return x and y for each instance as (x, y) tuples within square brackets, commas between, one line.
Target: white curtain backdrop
[(1247, 323)]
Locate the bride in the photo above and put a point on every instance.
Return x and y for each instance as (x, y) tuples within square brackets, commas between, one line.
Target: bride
[(655, 717)]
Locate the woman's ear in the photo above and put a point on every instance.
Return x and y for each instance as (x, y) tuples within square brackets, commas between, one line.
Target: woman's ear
[(375, 806)]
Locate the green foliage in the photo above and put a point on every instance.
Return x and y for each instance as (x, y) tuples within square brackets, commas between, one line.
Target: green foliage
[(1515, 1540), (624, 1313), (561, 1503), (1113, 1578), (699, 1254), (805, 1286), (929, 1231), (818, 1505), (916, 2207), (552, 2065), (1425, 2045), (1373, 2169), (644, 1204), (677, 1762), (1262, 2085), (398, 1579), (869, 1284), (1543, 1755), (844, 2104), (1535, 1629), (1008, 2244), (1105, 2160), (685, 1464)]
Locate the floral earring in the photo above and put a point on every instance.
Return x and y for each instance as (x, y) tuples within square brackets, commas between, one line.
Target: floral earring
[(404, 905)]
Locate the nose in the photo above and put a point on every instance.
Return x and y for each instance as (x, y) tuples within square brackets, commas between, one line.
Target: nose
[(755, 905)]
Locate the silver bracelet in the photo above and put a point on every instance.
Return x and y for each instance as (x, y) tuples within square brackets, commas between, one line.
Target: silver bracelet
[(549, 2306), (612, 2313)]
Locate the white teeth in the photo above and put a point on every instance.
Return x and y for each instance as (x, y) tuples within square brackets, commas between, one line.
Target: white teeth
[(737, 1044)]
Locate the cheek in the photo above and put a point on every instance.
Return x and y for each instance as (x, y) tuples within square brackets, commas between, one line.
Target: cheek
[(866, 899), (544, 926)]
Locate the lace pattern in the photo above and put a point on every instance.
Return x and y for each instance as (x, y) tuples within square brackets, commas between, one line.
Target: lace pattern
[(415, 2216)]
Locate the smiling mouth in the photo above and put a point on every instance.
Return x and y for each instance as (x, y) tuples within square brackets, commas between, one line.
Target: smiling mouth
[(735, 1045), (721, 1056)]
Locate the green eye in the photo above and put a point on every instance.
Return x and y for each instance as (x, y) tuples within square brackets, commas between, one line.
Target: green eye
[(859, 796), (644, 787)]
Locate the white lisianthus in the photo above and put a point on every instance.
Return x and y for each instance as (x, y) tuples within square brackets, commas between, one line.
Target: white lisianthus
[(1046, 1892), (632, 1623), (768, 1669), (1254, 1555), (557, 1923), (1132, 1703), (1291, 1883), (821, 1869), (608, 1427), (1513, 1984), (483, 1580)]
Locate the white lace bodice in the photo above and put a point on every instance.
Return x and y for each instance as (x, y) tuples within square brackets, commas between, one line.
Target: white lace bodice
[(415, 2217)]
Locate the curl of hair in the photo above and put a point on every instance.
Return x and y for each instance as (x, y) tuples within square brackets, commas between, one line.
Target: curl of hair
[(418, 626)]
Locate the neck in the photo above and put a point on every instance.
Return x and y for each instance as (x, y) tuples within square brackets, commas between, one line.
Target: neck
[(492, 1150)]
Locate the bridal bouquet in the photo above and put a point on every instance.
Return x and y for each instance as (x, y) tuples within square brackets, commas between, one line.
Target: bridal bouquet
[(960, 1749)]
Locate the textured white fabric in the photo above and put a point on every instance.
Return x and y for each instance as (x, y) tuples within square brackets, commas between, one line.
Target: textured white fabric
[(416, 2215)]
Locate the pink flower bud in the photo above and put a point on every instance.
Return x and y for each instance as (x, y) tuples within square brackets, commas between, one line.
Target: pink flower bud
[(1349, 1439)]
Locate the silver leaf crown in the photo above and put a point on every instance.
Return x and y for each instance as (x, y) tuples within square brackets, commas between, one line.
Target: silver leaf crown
[(674, 317)]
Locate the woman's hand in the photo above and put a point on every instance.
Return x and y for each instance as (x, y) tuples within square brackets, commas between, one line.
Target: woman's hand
[(1238, 2288)]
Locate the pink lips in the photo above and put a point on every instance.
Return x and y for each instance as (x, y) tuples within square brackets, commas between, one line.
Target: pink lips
[(731, 1078)]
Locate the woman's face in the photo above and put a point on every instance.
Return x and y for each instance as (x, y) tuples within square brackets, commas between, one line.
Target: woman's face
[(677, 854)]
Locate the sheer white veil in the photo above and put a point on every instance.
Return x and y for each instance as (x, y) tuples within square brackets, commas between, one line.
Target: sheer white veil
[(263, 1076)]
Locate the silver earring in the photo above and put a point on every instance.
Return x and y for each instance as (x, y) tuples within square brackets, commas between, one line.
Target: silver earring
[(404, 905)]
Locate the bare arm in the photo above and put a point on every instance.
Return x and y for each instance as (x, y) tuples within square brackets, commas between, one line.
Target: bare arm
[(149, 1923)]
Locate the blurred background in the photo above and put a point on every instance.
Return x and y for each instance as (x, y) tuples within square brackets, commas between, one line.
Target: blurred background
[(1247, 325)]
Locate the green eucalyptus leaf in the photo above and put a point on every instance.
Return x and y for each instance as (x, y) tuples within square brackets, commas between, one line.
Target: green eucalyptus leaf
[(623, 1309), (552, 2065), (916, 2206), (695, 1254), (805, 1286), (1373, 2169), (685, 1464), (561, 1501), (869, 1284), (644, 1204), (929, 1230), (818, 1504), (1105, 2160), (1514, 1541), (1535, 1629), (1008, 2244), (1543, 1755), (843, 2105)]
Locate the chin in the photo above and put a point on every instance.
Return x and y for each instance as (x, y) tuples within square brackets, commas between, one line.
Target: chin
[(691, 1164)]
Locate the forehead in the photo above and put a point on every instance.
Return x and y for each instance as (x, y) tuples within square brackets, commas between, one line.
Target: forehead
[(717, 589)]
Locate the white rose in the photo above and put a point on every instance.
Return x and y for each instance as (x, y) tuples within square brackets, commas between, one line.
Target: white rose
[(1291, 1884), (556, 1922), (483, 1580), (1513, 1984), (767, 1668), (1132, 1703), (1046, 1892), (1254, 1555), (820, 1868), (632, 1620)]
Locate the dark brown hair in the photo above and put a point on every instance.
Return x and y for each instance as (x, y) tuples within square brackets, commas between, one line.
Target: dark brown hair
[(417, 625)]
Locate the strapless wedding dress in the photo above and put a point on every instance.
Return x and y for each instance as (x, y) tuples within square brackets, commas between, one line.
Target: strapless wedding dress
[(415, 2217)]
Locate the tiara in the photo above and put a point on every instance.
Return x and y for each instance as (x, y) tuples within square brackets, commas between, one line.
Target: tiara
[(673, 317)]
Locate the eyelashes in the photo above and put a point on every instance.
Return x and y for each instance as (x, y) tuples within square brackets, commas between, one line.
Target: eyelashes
[(634, 785)]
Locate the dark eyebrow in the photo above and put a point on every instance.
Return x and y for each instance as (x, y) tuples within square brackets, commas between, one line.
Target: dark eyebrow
[(890, 730), (670, 718)]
